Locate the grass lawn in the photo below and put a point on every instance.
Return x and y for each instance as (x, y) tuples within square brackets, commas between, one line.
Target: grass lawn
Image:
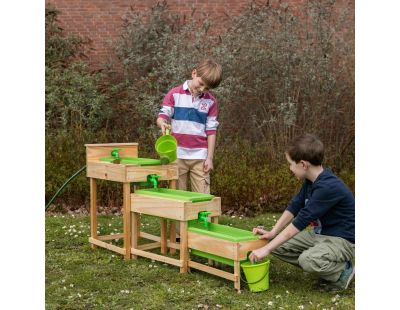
[(78, 277)]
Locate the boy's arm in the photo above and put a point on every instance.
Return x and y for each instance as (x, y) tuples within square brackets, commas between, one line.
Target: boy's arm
[(166, 111), (321, 201), (208, 164), (289, 232), (211, 132), (285, 218)]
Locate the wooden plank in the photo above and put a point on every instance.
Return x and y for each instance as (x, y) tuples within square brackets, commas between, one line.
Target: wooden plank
[(192, 209), (148, 236), (106, 171), (214, 271), (112, 144), (107, 246), (172, 224), (173, 245), (140, 173), (149, 246), (163, 235), (96, 151), (162, 207), (212, 245), (135, 230), (93, 209), (236, 281), (172, 235), (157, 257), (184, 250), (248, 246), (126, 187), (110, 237), (211, 263)]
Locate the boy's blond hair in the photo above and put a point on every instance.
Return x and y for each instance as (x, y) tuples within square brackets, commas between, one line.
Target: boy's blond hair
[(210, 72)]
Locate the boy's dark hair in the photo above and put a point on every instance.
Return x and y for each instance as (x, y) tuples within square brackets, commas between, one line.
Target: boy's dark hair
[(306, 147), (210, 72)]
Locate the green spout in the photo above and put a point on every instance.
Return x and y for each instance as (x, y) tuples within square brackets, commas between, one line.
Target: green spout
[(153, 180), (202, 217), (114, 153)]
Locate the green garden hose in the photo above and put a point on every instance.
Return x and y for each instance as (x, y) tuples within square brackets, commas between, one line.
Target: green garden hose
[(65, 184)]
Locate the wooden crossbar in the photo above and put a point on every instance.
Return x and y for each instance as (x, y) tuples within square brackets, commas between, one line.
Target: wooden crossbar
[(107, 246), (214, 271), (110, 237), (160, 258)]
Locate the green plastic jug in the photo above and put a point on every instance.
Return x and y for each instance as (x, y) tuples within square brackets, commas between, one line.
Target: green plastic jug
[(166, 147)]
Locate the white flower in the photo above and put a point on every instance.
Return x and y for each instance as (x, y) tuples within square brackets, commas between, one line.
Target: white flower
[(109, 225), (64, 288), (71, 285), (218, 306), (233, 216), (150, 266), (301, 307), (287, 292), (79, 295), (63, 280), (270, 303), (278, 296)]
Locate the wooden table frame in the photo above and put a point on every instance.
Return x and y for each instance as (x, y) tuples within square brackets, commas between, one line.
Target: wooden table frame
[(125, 174), (181, 211)]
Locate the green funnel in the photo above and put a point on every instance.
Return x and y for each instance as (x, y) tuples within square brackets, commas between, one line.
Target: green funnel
[(166, 147)]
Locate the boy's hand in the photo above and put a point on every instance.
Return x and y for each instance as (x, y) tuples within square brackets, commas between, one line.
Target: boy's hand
[(265, 234), (208, 165), (259, 254), (164, 127)]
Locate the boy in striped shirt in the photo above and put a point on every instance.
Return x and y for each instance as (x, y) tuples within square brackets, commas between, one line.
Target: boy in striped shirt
[(190, 111)]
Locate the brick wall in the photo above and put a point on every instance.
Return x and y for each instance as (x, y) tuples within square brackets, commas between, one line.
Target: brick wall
[(101, 20)]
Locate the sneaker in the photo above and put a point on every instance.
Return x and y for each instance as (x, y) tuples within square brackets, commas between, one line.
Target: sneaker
[(344, 279), (322, 282)]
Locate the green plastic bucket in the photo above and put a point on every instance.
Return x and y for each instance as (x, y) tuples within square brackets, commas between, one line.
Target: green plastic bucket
[(257, 275), (166, 148)]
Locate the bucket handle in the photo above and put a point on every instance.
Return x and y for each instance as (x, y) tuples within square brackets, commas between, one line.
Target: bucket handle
[(241, 278)]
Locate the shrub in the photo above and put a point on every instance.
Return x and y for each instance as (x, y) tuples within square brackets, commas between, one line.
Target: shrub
[(284, 74)]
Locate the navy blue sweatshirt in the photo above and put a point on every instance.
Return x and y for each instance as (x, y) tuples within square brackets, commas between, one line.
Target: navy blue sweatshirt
[(330, 202)]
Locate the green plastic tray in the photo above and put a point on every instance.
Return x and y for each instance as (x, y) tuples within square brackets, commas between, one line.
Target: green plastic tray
[(134, 161), (221, 231), (175, 194), (217, 258)]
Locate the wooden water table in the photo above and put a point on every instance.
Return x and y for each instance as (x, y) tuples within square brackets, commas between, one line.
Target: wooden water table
[(224, 244), (131, 169), (198, 236)]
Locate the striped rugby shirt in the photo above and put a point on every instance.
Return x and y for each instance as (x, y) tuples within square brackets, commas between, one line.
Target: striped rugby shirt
[(191, 120)]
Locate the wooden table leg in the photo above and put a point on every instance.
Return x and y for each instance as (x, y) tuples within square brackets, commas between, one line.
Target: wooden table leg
[(172, 226), (93, 210), (184, 251), (163, 236), (127, 219), (135, 231), (172, 235), (236, 271), (210, 261)]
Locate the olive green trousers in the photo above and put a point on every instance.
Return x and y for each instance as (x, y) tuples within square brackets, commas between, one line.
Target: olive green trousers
[(323, 255)]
